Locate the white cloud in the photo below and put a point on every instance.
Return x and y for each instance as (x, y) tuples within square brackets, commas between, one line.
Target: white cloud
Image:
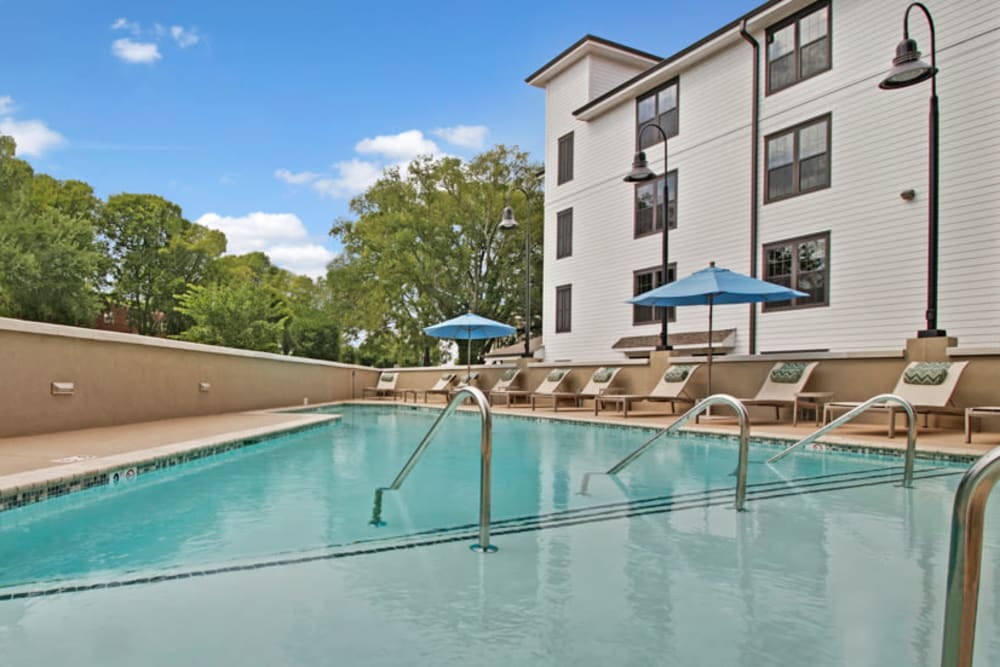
[(301, 178), (466, 136), (281, 235), (307, 259), (135, 52), (6, 104), (401, 147), (255, 231), (33, 137), (352, 178), (124, 24), (184, 38)]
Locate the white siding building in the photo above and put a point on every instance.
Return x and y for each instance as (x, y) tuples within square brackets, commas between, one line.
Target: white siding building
[(833, 155)]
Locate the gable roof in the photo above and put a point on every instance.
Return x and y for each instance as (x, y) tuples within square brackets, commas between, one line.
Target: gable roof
[(588, 45)]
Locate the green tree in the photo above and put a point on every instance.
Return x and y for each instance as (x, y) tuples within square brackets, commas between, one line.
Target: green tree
[(154, 254), (50, 261), (426, 246), (238, 314)]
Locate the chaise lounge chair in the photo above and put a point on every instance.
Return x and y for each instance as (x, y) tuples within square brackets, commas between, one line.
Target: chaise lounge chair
[(442, 386), (504, 386), (551, 383), (386, 386), (783, 381), (926, 385), (464, 380), (599, 383), (672, 387)]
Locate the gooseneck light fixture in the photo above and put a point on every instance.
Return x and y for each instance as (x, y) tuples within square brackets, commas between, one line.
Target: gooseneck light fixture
[(641, 173), (508, 223), (907, 70)]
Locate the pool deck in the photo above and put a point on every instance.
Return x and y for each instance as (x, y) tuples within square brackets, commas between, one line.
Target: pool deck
[(29, 461)]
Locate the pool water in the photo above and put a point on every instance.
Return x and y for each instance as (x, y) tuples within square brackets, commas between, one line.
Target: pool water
[(264, 556)]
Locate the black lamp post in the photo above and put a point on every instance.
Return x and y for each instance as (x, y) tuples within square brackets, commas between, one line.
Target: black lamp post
[(908, 70), (641, 173), (508, 223)]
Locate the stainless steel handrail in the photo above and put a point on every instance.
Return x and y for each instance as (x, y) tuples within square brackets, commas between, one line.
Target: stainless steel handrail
[(965, 559), (485, 457), (700, 407), (911, 432)]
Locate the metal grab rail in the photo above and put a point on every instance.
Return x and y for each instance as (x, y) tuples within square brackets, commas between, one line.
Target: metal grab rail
[(911, 432), (965, 559), (485, 457), (702, 406)]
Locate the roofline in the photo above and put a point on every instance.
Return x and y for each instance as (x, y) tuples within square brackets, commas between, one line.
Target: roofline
[(667, 62), (580, 42)]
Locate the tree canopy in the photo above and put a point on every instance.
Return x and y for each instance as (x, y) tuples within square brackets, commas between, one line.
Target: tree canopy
[(423, 246), (426, 246)]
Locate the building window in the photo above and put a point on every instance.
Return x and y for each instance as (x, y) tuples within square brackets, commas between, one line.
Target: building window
[(660, 107), (802, 264), (564, 233), (565, 171), (649, 199), (645, 280), (798, 159), (564, 308), (798, 47)]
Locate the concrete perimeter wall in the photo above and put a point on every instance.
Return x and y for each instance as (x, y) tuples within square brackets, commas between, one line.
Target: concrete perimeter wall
[(126, 378)]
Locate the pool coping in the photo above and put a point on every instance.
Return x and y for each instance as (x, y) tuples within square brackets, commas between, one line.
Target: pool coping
[(32, 486)]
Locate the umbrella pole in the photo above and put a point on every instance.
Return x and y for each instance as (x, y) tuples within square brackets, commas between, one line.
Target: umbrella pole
[(468, 359), (710, 309)]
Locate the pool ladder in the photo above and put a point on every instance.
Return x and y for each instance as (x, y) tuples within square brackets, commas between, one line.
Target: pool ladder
[(485, 457), (911, 432), (698, 409), (965, 559)]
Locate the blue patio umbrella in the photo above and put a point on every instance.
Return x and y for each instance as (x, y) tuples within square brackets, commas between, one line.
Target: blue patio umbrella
[(712, 286), (469, 326)]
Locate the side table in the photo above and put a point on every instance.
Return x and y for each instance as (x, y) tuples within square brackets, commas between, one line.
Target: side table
[(981, 411), (810, 400)]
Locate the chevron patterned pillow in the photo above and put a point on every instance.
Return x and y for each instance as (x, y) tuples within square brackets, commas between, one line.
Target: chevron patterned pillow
[(927, 372)]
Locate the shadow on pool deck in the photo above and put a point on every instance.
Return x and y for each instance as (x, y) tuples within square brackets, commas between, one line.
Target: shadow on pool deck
[(30, 459)]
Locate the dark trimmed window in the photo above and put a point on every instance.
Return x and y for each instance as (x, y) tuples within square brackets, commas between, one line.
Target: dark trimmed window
[(564, 233), (660, 107), (798, 47), (798, 159), (649, 198), (565, 170), (564, 308), (803, 264), (644, 280)]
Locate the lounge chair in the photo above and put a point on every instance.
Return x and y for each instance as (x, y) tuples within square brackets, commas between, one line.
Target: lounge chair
[(550, 384), (504, 386), (599, 383), (386, 386), (927, 385), (442, 386), (464, 380), (783, 381), (672, 387)]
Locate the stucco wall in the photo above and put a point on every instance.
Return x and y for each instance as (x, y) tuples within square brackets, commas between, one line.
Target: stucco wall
[(125, 378)]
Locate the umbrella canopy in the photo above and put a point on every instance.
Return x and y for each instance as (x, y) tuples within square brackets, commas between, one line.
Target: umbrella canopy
[(712, 286), (469, 326)]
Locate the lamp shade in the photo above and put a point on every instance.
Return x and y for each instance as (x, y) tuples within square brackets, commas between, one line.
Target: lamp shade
[(640, 170), (508, 221), (907, 67)]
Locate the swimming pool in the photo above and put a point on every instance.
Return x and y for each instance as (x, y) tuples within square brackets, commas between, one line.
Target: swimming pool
[(264, 556)]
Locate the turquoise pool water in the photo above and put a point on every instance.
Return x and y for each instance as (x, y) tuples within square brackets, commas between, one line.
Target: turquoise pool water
[(264, 556)]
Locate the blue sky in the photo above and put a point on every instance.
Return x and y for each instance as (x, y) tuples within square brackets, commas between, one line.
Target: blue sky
[(263, 119)]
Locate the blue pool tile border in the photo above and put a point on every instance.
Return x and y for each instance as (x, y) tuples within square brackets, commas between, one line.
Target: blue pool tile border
[(29, 495)]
